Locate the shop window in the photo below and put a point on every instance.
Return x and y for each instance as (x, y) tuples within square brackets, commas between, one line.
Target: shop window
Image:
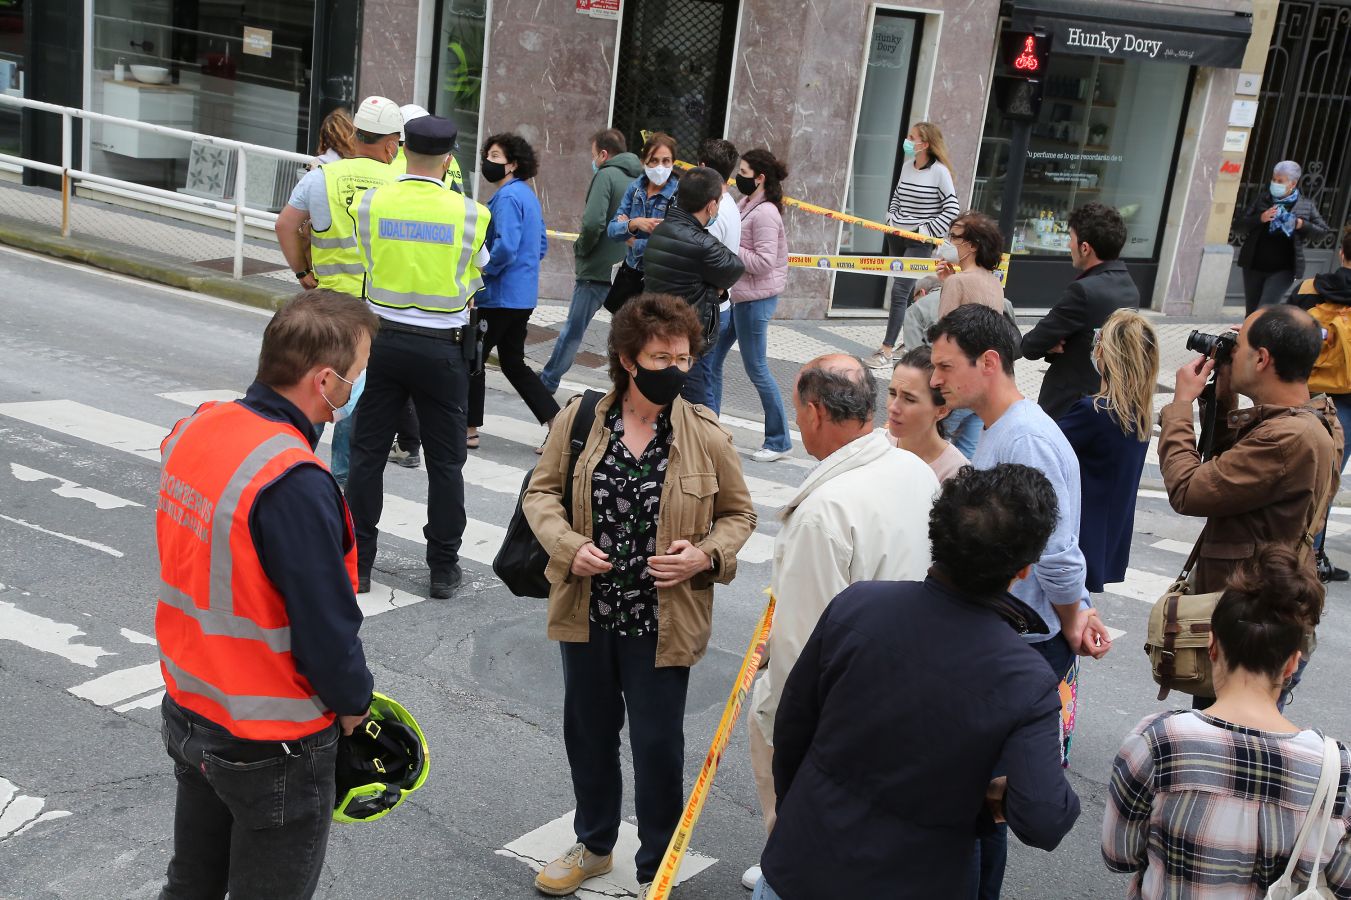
[(675, 62), (458, 83), (1108, 130), (238, 69), (12, 73), (882, 126)]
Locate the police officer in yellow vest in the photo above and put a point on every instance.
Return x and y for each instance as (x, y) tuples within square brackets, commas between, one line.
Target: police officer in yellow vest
[(421, 245), (454, 178), (326, 254)]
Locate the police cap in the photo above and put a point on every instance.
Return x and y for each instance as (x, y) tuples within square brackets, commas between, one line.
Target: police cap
[(430, 136)]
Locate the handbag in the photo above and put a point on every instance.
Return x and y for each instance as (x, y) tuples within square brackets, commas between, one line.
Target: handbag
[(1315, 828), (628, 283), (521, 560), (1178, 638)]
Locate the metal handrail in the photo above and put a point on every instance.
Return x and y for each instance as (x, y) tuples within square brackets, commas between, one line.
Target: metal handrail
[(239, 210)]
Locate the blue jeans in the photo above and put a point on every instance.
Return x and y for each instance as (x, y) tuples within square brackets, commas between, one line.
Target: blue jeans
[(764, 892), (342, 448), (587, 296), (964, 427), (716, 355), (750, 325)]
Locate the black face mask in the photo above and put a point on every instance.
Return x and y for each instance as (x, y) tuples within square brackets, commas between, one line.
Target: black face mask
[(745, 185), (661, 386), (493, 171)]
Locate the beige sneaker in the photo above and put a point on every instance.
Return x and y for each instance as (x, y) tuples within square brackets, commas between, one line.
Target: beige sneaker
[(879, 360), (564, 875), (644, 889)]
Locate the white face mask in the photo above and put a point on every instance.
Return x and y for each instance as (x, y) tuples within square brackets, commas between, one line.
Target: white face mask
[(657, 174), (947, 251)]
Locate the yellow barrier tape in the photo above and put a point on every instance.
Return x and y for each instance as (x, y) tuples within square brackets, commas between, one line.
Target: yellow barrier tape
[(562, 235), (844, 217), (680, 841), (880, 265)]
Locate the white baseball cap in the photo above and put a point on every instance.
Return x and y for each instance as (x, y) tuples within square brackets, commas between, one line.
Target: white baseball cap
[(411, 111), (378, 115)]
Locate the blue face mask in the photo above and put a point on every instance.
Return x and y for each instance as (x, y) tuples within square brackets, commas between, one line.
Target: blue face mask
[(594, 168), (711, 219), (342, 412), (908, 146), (1278, 190)]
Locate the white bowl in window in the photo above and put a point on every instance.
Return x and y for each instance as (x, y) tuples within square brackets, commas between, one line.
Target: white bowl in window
[(150, 74)]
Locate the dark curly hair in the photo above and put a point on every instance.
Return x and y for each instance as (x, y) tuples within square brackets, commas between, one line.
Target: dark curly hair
[(1271, 600), (762, 162), (987, 524), (643, 318), (517, 150), (981, 232), (1101, 227)]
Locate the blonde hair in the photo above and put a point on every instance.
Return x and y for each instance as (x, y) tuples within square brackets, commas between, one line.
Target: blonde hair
[(338, 134), (1130, 368), (932, 135)]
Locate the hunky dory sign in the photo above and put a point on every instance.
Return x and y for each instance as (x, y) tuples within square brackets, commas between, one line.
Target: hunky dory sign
[(1120, 31)]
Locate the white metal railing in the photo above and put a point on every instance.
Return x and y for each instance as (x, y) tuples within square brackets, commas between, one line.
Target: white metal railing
[(237, 211)]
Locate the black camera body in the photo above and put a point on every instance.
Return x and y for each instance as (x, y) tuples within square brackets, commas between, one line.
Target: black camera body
[(1219, 347)]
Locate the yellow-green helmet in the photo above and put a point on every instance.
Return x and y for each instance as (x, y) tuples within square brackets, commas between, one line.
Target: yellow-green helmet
[(383, 761)]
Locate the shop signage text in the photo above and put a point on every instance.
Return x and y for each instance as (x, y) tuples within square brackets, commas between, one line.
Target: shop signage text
[(1126, 42)]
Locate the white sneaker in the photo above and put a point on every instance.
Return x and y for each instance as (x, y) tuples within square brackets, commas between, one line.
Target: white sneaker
[(764, 454), (751, 877), (879, 360)]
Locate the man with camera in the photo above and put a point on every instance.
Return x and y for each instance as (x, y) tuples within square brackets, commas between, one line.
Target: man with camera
[(1274, 469)]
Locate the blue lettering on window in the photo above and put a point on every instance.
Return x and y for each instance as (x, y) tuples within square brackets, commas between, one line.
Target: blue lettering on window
[(420, 232)]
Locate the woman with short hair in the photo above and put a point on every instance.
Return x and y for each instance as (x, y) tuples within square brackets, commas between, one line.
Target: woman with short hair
[(1207, 804), (1110, 434), (660, 511), (1275, 228), (517, 244)]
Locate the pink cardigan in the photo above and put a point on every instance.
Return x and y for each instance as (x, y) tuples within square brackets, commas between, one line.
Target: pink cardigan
[(764, 251)]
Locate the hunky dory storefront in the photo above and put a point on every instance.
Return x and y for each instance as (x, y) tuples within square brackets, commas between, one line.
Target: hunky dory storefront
[(1116, 80)]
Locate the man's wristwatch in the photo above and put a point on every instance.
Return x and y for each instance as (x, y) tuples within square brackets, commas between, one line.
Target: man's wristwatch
[(300, 276)]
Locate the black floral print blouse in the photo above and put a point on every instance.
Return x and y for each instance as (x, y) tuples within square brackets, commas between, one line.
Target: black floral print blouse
[(625, 502)]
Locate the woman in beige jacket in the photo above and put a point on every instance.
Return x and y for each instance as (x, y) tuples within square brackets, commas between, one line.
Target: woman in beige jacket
[(659, 511)]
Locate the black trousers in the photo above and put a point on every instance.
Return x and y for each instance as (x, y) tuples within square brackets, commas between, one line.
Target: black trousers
[(506, 331), (1265, 288), (432, 371), (601, 679), (251, 817)]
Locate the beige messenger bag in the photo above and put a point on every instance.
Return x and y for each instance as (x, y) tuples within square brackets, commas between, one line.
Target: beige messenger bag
[(1178, 639)]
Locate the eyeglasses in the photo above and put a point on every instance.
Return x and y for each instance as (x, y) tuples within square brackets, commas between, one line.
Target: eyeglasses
[(665, 360), (954, 236)]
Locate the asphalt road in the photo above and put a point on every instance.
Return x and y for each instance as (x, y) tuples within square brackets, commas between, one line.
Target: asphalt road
[(93, 369)]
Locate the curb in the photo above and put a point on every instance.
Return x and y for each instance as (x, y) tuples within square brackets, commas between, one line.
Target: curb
[(114, 258)]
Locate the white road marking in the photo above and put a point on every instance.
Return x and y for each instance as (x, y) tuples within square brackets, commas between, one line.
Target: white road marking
[(120, 685), (20, 812), (1173, 546), (405, 518), (1152, 494), (47, 636), (89, 423), (1114, 633), (1143, 586), (92, 545), (197, 398), (550, 840), (70, 489), (383, 598), (137, 638), (1336, 529), (149, 701)]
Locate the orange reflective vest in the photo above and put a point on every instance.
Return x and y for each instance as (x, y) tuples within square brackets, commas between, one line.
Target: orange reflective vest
[(224, 635)]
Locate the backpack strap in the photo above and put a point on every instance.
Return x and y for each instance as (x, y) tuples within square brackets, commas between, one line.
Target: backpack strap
[(581, 427)]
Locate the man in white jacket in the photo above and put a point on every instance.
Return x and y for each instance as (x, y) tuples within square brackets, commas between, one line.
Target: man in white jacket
[(861, 515)]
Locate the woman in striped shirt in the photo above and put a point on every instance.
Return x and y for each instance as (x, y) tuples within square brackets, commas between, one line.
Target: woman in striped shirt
[(1206, 805), (925, 202)]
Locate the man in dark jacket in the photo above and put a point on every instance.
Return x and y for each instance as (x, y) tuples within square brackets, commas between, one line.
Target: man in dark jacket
[(614, 170), (1065, 334), (888, 800), (682, 258)]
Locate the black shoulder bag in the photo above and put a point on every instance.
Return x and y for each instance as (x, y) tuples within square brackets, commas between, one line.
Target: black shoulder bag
[(521, 560)]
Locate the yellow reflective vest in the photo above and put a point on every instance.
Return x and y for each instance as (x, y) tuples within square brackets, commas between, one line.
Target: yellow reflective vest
[(334, 251), (418, 242), (454, 178)]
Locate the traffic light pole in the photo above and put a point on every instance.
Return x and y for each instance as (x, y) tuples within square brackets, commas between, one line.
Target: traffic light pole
[(1013, 180)]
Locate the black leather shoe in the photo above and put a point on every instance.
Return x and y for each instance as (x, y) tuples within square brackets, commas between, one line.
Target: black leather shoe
[(445, 583), (363, 584), (1328, 572)]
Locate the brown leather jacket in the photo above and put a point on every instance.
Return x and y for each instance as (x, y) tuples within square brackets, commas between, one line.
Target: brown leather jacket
[(1273, 480), (703, 500)]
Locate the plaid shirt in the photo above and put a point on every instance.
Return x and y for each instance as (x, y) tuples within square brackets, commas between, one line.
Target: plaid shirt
[(1203, 809)]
